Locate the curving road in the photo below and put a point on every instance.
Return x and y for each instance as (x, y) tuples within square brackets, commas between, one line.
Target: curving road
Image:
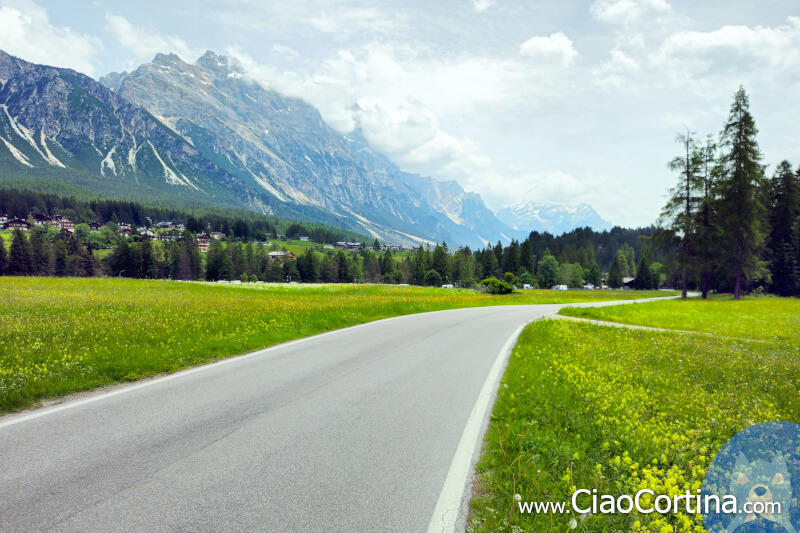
[(370, 428)]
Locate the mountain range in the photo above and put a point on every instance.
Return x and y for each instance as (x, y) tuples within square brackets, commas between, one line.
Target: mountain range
[(552, 218), (204, 134)]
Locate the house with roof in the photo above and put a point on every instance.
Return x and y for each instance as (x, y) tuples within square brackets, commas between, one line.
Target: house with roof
[(349, 246), (203, 242), (170, 235), (17, 223), (41, 220), (281, 255)]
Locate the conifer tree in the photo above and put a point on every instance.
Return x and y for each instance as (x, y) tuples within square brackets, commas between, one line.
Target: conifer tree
[(617, 271), (20, 257), (784, 211), (740, 188), (680, 211), (3, 257)]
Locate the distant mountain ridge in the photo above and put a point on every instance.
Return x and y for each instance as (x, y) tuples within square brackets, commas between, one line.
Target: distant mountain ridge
[(553, 218), (203, 134), (286, 146)]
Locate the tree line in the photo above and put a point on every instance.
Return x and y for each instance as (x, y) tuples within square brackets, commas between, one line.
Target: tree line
[(730, 227), (241, 225)]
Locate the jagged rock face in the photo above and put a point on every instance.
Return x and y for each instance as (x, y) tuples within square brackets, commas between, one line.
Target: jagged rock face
[(55, 119), (204, 134), (287, 147), (552, 218)]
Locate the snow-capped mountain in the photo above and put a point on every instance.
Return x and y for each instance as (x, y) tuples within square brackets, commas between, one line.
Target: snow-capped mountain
[(553, 218), (203, 134)]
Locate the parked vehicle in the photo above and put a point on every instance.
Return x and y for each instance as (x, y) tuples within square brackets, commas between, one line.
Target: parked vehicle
[(560, 287)]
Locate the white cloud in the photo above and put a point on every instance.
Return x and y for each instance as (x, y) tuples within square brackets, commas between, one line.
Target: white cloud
[(144, 43), (482, 5), (284, 51), (342, 24), (557, 46), (735, 49), (399, 99), (616, 72), (625, 12), (26, 32)]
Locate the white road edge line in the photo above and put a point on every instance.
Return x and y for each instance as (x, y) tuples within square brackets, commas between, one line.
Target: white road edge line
[(448, 509), (203, 367)]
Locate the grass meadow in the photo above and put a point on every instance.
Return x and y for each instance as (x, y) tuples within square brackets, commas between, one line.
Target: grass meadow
[(619, 410), (59, 336), (768, 318)]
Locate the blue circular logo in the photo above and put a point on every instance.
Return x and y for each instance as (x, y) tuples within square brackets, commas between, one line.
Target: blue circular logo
[(753, 484)]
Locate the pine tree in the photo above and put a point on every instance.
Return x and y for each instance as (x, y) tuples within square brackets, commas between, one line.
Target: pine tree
[(644, 276), (617, 271), (3, 257), (440, 262), (784, 210), (526, 259), (741, 211), (20, 257), (60, 259), (41, 252)]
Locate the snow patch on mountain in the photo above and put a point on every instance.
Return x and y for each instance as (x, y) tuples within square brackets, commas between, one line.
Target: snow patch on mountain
[(552, 218)]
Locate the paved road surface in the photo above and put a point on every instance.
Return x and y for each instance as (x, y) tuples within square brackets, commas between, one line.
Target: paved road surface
[(354, 430)]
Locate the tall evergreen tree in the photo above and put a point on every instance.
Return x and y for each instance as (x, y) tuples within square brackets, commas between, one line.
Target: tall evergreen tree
[(3, 257), (682, 205), (41, 253), (20, 257), (60, 259), (706, 241), (617, 271), (741, 211), (784, 210), (526, 259)]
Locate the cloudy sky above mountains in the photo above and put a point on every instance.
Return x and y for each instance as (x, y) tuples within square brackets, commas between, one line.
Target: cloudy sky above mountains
[(547, 101)]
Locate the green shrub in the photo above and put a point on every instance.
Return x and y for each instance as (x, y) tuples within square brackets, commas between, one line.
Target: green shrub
[(495, 286)]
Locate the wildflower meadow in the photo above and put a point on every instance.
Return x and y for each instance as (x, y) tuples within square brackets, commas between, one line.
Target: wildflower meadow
[(619, 410)]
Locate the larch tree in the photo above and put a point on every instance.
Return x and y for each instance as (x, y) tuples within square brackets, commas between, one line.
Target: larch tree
[(679, 215)]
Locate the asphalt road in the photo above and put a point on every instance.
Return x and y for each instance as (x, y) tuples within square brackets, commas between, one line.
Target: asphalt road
[(353, 430)]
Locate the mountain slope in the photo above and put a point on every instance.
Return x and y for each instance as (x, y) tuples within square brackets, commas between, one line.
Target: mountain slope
[(203, 134), (286, 147), (61, 124), (552, 218)]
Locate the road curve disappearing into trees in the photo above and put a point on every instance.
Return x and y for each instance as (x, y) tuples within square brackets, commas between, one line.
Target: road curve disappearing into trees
[(352, 430)]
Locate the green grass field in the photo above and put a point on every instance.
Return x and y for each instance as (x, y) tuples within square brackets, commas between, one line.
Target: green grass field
[(767, 318), (618, 410), (64, 335)]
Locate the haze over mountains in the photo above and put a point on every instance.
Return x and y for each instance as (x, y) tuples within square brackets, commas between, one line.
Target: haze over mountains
[(553, 218), (204, 134)]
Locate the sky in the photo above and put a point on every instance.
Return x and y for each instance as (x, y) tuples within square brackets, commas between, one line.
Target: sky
[(534, 101)]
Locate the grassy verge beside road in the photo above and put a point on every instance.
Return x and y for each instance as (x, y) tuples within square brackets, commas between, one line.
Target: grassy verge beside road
[(767, 318), (59, 336), (618, 410)]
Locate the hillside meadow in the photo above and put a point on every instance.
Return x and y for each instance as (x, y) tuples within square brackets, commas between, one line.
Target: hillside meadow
[(61, 335), (619, 410)]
